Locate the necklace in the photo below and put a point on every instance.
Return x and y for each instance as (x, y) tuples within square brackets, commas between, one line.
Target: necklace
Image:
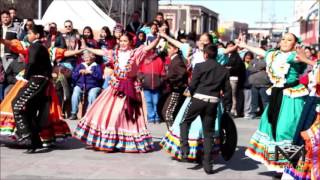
[(121, 72)]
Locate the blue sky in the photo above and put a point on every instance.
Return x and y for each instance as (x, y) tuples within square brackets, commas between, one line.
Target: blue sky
[(248, 11)]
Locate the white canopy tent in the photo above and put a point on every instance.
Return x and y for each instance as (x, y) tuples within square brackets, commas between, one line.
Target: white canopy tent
[(81, 12)]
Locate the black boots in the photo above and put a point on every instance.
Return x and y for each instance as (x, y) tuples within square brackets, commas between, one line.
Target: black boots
[(33, 143), (25, 141), (73, 117), (207, 167), (184, 156), (184, 152)]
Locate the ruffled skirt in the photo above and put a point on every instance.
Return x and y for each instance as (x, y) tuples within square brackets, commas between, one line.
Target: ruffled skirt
[(106, 127), (56, 129)]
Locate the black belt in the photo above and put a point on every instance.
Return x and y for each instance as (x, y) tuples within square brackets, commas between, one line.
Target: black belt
[(39, 76), (275, 105)]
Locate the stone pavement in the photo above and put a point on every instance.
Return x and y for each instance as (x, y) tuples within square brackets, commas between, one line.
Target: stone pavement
[(71, 161)]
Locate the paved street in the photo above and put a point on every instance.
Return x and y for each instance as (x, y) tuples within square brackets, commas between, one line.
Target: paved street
[(72, 161)]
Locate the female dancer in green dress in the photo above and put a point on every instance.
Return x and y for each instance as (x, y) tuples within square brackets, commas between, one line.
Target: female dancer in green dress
[(280, 119)]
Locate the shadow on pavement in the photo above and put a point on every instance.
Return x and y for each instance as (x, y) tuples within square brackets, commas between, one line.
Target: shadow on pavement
[(239, 162), (272, 174), (69, 144), (156, 144), (9, 142)]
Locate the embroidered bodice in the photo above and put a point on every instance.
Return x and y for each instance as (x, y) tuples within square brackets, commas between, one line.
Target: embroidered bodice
[(282, 68)]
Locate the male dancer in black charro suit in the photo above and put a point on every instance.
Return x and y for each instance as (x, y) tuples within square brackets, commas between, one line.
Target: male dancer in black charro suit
[(208, 79), (177, 78), (30, 102)]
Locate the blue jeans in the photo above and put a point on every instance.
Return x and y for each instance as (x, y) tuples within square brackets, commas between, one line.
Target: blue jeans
[(1, 91), (256, 92), (106, 82), (152, 98), (76, 96)]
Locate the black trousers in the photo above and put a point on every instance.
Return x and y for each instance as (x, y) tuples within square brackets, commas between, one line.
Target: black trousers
[(28, 106), (172, 106), (208, 113)]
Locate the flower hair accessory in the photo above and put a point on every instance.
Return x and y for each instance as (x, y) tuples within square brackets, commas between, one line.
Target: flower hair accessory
[(215, 37), (118, 28), (299, 41)]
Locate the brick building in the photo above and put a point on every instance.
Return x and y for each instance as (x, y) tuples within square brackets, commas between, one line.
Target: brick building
[(190, 18)]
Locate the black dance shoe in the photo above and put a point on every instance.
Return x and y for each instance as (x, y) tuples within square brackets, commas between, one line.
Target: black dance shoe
[(33, 148), (184, 157), (31, 151), (73, 117), (207, 168), (25, 141), (277, 176)]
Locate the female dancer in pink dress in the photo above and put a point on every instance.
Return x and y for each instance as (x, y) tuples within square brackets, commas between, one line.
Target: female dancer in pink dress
[(115, 121)]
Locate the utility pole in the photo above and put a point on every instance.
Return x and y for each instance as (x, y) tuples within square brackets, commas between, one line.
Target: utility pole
[(121, 12), (125, 12), (110, 8), (39, 9), (143, 19), (261, 12)]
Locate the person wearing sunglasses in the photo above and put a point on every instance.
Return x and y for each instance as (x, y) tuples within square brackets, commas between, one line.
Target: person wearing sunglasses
[(71, 37), (72, 40)]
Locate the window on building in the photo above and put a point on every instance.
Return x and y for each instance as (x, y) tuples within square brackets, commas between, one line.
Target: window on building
[(170, 21), (194, 25)]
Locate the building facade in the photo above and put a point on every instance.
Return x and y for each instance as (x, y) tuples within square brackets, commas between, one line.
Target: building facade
[(189, 18), (306, 21), (25, 9), (232, 29), (121, 10)]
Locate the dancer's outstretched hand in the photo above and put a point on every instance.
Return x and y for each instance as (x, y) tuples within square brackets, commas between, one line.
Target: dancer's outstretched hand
[(242, 44), (162, 30)]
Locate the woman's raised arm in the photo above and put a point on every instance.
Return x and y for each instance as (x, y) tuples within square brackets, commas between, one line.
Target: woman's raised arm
[(255, 50), (153, 44), (176, 43), (98, 52)]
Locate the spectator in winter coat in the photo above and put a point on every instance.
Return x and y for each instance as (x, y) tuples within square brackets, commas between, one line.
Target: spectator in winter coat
[(27, 26), (106, 40), (153, 34), (135, 25), (55, 38), (87, 77), (8, 31), (151, 74), (247, 58), (141, 38), (72, 39), (260, 82), (237, 72)]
